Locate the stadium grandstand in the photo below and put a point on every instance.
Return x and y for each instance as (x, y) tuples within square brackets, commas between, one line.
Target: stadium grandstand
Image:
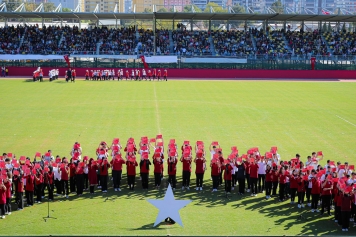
[(232, 39)]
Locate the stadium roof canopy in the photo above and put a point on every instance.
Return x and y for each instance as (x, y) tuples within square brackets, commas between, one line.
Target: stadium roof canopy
[(179, 16)]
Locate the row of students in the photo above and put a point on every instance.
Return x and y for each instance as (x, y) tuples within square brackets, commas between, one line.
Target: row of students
[(134, 74)]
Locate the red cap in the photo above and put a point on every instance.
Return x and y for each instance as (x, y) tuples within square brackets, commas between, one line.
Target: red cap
[(269, 155), (226, 162), (37, 166), (116, 141), (160, 144), (186, 154), (215, 143), (16, 165), (152, 140), (27, 162), (46, 169), (233, 148), (250, 152), (144, 138), (320, 153), (16, 172), (145, 155), (22, 158), (144, 148), (172, 141), (352, 167), (47, 154), (158, 150), (335, 180), (244, 156), (38, 154), (46, 163), (157, 155), (216, 156), (239, 160), (186, 142), (200, 143), (58, 160), (76, 146), (81, 164), (159, 136), (9, 155)]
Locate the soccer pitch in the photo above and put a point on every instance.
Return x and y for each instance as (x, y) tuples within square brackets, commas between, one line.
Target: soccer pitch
[(297, 117)]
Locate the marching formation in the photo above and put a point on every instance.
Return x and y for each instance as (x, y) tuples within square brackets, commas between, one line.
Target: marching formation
[(107, 74), (133, 74), (306, 184)]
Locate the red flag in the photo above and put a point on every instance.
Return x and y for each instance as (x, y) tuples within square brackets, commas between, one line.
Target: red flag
[(144, 61), (66, 58), (325, 12)]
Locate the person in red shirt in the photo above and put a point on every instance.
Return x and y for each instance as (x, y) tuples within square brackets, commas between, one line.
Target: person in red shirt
[(253, 178), (19, 186), (269, 179), (116, 165), (154, 74), (282, 179), (2, 199), (215, 171), (64, 177), (127, 74), (149, 73), (79, 178), (199, 170), (165, 74), (39, 185), (338, 205), (346, 200), (49, 182), (327, 187), (157, 162), (159, 74), (186, 159), (228, 177), (91, 75), (131, 171), (74, 74), (30, 188), (103, 169), (172, 169), (72, 169), (8, 185), (302, 185), (145, 170), (293, 186), (92, 175), (315, 192)]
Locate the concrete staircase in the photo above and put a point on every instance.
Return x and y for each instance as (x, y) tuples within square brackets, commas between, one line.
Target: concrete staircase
[(212, 47), (171, 44)]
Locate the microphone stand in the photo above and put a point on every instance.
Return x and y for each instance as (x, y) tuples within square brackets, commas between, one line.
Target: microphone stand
[(49, 190)]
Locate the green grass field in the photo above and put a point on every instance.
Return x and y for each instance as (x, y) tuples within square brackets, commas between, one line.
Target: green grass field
[(297, 117)]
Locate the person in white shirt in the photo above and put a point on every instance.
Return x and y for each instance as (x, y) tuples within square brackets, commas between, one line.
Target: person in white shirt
[(57, 179), (261, 175), (144, 74), (344, 171)]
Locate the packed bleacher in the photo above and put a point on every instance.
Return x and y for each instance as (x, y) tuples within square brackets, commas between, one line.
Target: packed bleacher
[(34, 39), (232, 43)]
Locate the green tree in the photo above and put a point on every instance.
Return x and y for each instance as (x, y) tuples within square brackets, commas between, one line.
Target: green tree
[(11, 5), (147, 10), (65, 9), (49, 7), (30, 7), (215, 6), (163, 9), (238, 8), (277, 6), (188, 8)]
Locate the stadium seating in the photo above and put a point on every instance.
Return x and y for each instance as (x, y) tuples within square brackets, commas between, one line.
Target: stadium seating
[(118, 41), (38, 40), (306, 43), (10, 39), (341, 43), (232, 43), (191, 43)]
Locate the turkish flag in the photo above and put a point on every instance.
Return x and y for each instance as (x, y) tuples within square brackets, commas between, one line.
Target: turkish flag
[(144, 61), (325, 12), (66, 58)]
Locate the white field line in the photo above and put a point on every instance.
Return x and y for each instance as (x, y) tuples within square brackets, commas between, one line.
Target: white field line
[(157, 112), (347, 121)]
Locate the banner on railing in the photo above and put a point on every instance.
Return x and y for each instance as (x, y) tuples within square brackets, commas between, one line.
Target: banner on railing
[(214, 60), (60, 57), (161, 59)]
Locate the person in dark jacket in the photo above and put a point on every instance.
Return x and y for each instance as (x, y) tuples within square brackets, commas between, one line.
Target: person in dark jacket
[(240, 175)]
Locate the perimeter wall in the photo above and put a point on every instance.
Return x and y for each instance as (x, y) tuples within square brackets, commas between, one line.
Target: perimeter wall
[(212, 73)]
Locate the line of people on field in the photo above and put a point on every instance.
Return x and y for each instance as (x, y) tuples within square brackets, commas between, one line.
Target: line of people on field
[(332, 185), (133, 74)]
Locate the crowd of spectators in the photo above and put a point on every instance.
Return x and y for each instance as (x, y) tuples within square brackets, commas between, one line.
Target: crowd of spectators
[(341, 43), (191, 43), (32, 39), (232, 43)]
